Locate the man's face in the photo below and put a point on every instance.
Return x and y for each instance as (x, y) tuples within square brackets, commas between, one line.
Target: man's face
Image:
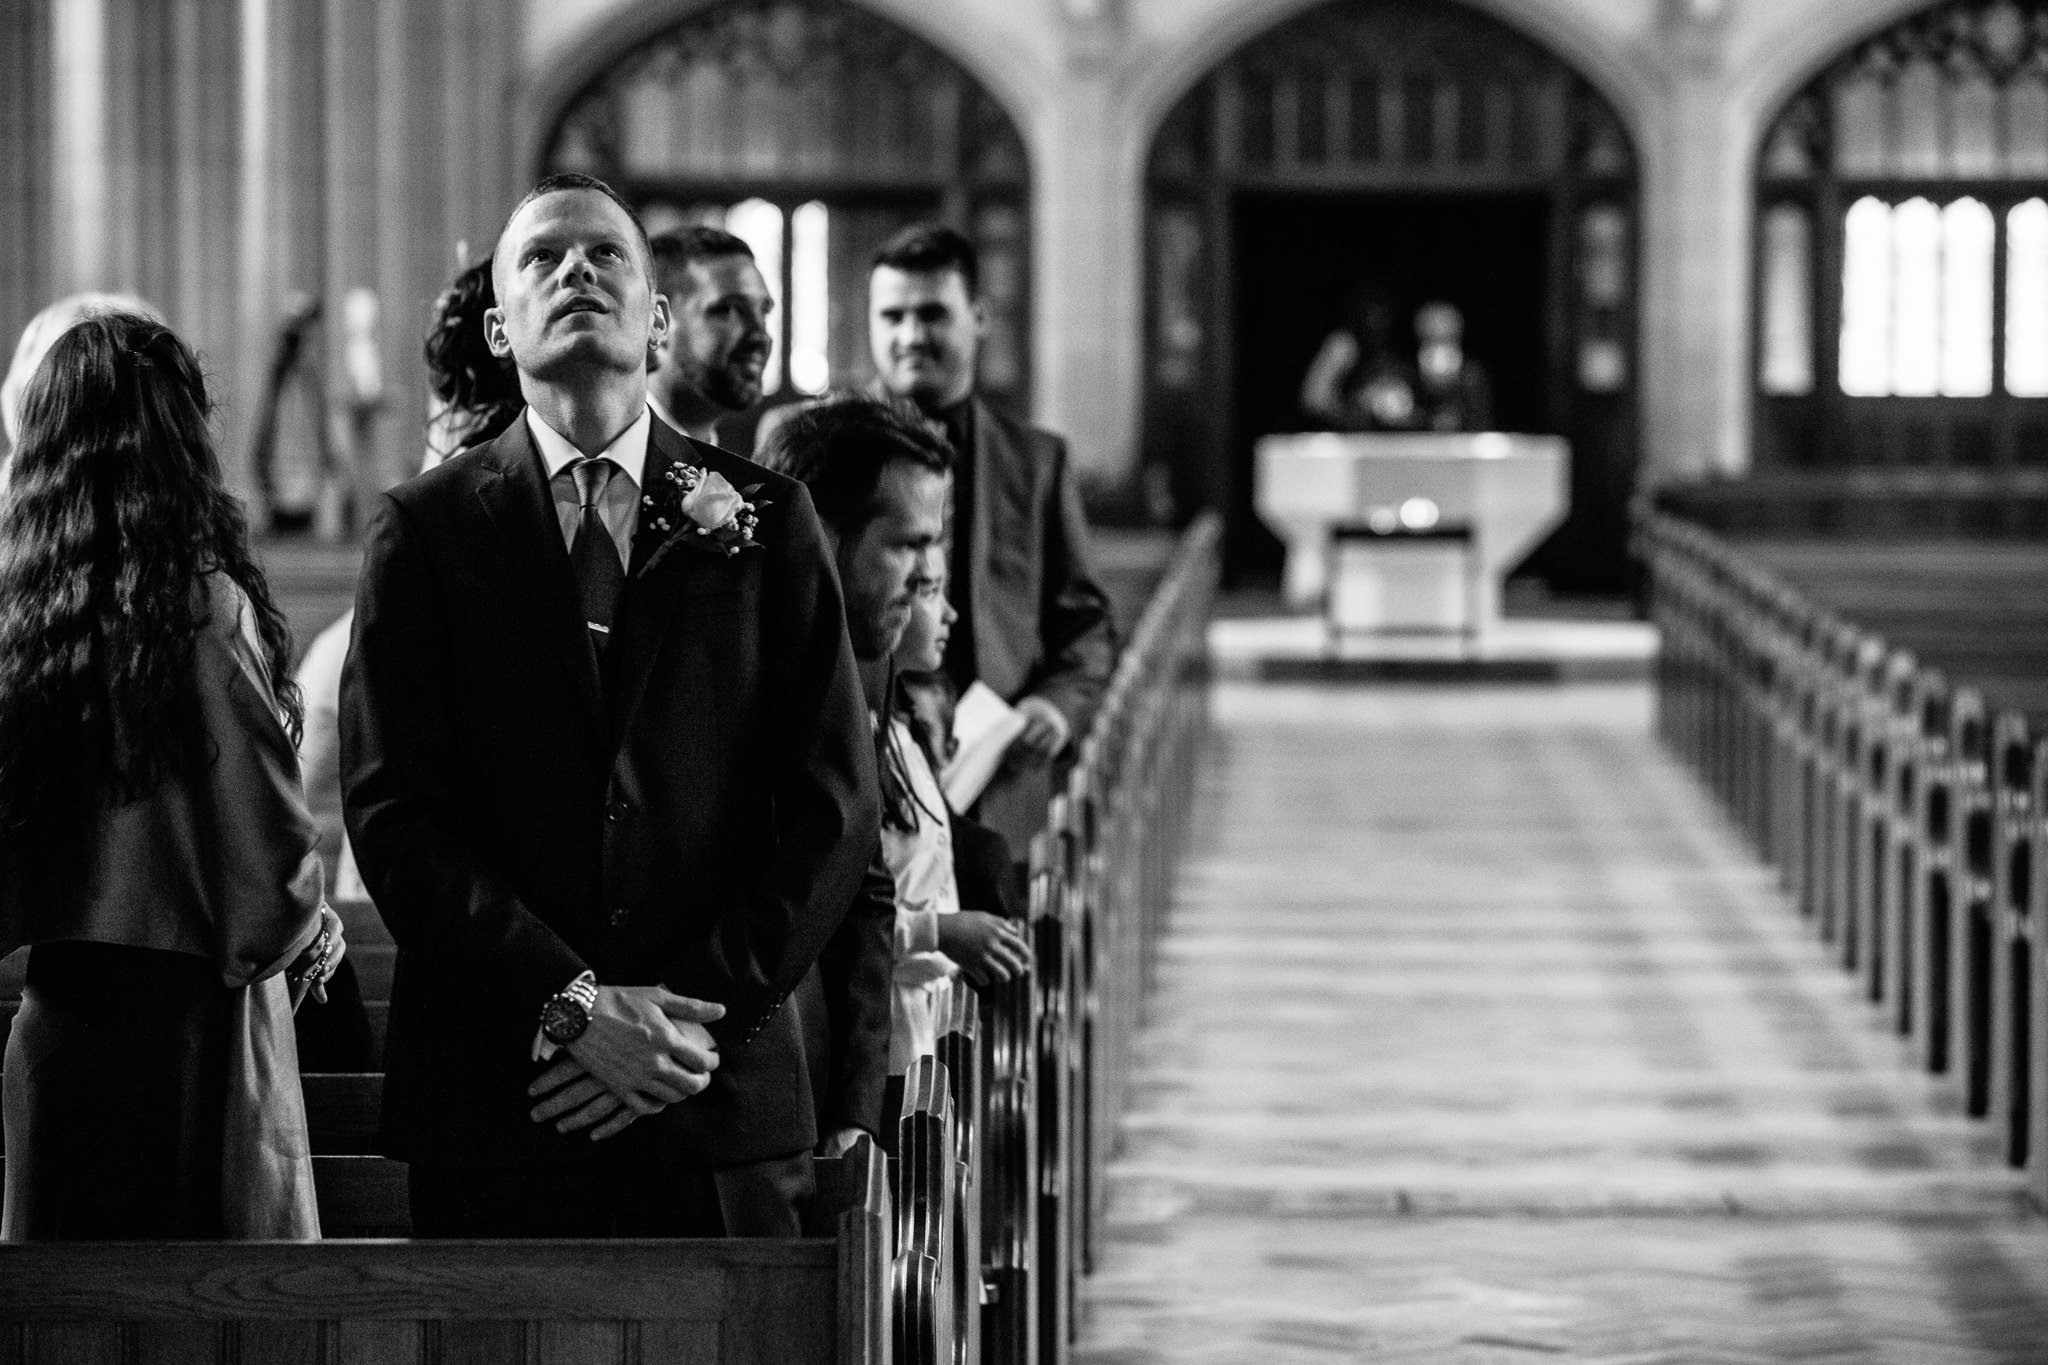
[(573, 291), (883, 569), (925, 333), (718, 343)]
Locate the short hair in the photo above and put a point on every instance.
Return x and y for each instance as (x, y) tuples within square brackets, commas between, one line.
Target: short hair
[(839, 448), (561, 181), (675, 250), (924, 248)]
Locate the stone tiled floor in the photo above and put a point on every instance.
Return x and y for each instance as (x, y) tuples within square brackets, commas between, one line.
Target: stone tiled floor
[(1479, 1037)]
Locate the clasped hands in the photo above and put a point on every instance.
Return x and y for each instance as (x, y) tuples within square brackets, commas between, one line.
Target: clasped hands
[(645, 1048)]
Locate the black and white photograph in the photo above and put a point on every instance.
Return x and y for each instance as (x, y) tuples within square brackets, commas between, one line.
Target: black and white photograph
[(1023, 682)]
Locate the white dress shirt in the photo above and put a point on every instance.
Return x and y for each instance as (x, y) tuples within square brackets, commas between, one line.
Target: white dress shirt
[(619, 505), (921, 860)]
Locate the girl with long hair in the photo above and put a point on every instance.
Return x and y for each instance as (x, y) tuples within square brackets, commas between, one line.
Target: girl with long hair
[(155, 851)]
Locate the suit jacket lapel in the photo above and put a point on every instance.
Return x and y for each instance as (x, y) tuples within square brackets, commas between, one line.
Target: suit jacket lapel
[(648, 605), (515, 497), (991, 468)]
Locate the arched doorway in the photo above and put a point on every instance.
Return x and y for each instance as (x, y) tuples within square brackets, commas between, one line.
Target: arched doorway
[(814, 129), (1421, 150), (1902, 259)]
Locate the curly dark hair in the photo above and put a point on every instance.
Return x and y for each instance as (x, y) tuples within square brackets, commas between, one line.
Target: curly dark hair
[(461, 370), (115, 511)]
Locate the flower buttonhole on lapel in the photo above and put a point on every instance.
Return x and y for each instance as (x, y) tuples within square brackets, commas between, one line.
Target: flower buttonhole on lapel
[(701, 509)]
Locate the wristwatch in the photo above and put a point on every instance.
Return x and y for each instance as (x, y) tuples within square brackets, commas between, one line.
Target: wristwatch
[(564, 1017)]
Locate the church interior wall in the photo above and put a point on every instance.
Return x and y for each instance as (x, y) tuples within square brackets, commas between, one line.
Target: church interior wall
[(333, 144)]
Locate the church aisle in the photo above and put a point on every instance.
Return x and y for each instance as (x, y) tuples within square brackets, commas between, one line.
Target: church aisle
[(1479, 1037)]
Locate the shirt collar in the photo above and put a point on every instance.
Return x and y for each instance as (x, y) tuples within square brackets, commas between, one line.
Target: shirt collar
[(628, 450)]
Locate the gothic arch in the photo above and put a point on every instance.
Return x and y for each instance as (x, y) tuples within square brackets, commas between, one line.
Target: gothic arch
[(1899, 199), (546, 90), (814, 129), (1629, 85), (1403, 152)]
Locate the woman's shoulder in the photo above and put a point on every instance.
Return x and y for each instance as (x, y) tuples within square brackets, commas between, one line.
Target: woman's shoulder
[(229, 633)]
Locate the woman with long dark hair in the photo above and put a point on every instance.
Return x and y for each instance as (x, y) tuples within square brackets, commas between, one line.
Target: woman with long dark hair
[(475, 395), (155, 851)]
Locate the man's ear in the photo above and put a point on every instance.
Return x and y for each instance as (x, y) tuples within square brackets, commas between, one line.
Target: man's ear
[(494, 333), (980, 307), (658, 332)]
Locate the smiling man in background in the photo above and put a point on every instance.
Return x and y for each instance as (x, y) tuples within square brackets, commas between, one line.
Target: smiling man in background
[(1033, 626), (709, 364)]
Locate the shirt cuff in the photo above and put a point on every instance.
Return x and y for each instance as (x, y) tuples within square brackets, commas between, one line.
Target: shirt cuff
[(918, 930)]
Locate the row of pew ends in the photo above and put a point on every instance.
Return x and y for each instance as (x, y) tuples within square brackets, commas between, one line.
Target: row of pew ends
[(1906, 817), (968, 1245)]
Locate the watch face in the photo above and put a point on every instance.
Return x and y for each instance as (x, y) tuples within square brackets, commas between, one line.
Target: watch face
[(563, 1020)]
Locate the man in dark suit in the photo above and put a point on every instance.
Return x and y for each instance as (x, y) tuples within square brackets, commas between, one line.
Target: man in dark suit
[(609, 778), (1033, 624)]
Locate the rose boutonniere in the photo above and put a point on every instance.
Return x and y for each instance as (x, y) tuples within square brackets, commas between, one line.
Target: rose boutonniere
[(700, 508)]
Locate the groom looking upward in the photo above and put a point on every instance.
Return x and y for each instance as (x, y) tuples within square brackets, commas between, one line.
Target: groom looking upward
[(609, 779)]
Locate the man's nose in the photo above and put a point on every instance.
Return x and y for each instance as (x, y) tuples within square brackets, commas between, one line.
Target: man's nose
[(576, 267)]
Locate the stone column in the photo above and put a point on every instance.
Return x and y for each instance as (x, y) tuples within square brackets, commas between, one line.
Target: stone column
[(27, 80), (1696, 206), (1089, 266)]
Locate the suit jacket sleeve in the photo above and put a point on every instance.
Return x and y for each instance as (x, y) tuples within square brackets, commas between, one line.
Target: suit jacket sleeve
[(1079, 635), (858, 968), (398, 783), (827, 799)]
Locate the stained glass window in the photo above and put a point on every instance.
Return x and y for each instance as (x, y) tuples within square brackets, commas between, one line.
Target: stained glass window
[(1866, 360), (810, 302), (2026, 300), (1968, 235), (1916, 299), (1787, 360), (758, 223)]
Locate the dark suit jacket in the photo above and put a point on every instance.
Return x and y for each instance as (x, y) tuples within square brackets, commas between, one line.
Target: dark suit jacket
[(842, 1010), (1041, 625), (703, 822)]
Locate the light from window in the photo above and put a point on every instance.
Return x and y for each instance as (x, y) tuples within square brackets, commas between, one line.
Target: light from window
[(810, 289), (1866, 359), (1916, 299), (758, 223), (2026, 300), (1787, 367), (1968, 233)]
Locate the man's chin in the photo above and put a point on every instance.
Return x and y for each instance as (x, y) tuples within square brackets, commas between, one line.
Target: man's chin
[(735, 394), (564, 356)]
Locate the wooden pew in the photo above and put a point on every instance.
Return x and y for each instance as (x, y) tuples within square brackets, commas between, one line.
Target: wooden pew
[(1970, 948), (1004, 1178), (1904, 809), (389, 1302), (2017, 763), (927, 1267)]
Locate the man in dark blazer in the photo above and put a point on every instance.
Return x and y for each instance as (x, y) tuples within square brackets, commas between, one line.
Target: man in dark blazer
[(609, 778), (1033, 624)]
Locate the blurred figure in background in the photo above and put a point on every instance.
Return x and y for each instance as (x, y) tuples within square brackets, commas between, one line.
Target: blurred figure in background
[(1033, 625), (1359, 380), (1456, 394), (151, 1081), (709, 365)]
